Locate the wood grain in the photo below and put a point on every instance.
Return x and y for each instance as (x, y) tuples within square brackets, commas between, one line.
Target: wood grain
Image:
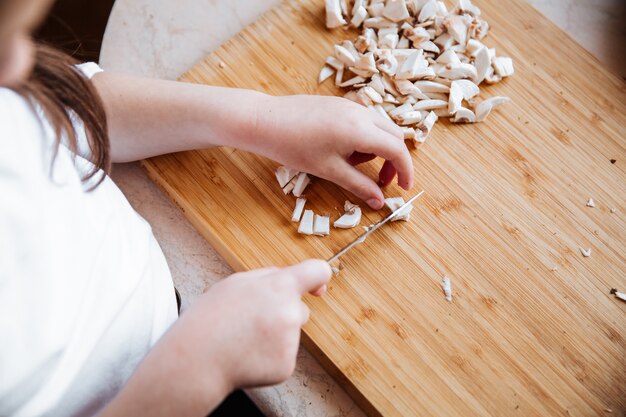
[(504, 205)]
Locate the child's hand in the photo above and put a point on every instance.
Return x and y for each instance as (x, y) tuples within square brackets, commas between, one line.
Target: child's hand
[(248, 325), (326, 137)]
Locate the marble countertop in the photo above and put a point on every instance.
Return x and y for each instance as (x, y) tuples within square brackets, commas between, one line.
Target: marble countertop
[(163, 39)]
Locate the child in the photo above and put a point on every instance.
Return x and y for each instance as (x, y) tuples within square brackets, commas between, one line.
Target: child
[(88, 320)]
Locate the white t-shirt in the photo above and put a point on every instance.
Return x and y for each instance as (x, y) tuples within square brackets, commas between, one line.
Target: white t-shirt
[(85, 290)]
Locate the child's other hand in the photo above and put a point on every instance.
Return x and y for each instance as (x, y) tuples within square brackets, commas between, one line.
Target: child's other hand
[(327, 136), (248, 325)]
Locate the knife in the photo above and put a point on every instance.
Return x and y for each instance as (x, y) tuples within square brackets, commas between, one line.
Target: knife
[(371, 229)]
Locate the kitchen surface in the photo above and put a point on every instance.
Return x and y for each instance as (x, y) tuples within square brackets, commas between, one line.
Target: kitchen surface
[(165, 39)]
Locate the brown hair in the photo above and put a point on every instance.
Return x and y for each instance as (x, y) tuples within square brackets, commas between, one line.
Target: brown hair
[(60, 90)]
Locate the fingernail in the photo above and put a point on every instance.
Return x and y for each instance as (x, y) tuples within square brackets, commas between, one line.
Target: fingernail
[(374, 203)]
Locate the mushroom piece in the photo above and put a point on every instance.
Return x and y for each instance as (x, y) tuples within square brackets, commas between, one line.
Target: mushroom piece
[(428, 11), (377, 22), (352, 81), (396, 11), (359, 17), (345, 56), (306, 224), (591, 203), (407, 88), (485, 107), (464, 115), (427, 123), (482, 64), (351, 218), (448, 57), (408, 132), (456, 98), (325, 73), (432, 87), (334, 18), (430, 105), (585, 252), (297, 211), (457, 71), (284, 175), (405, 108), (394, 204), (456, 27), (409, 118), (334, 63), (466, 7), (411, 66), (503, 66), (446, 284), (469, 89), (387, 62), (301, 183), (321, 225)]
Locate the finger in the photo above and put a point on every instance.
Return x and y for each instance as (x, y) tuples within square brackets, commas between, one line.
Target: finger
[(258, 272), (389, 127), (320, 291), (386, 146), (305, 313), (310, 274), (359, 184), (358, 158), (387, 174)]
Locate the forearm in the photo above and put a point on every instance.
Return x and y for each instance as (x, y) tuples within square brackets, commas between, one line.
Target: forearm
[(162, 385), (148, 117)]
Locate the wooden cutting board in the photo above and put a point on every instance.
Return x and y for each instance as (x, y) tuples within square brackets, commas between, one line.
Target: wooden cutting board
[(532, 329)]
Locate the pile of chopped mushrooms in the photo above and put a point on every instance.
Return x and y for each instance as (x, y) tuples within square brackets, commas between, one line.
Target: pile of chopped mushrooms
[(413, 62)]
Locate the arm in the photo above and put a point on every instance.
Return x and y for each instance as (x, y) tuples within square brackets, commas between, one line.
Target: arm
[(324, 136)]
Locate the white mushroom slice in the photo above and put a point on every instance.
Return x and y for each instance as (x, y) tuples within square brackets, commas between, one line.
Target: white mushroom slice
[(503, 66), (345, 56), (389, 107), (437, 96), (321, 225), (306, 224), (388, 41), (333, 62), (464, 115), (405, 108), (430, 105), (377, 84), (448, 57), (334, 18), (456, 27), (407, 88), (417, 34), (456, 98), (429, 46), (470, 90), (591, 203), (372, 94), (359, 17), (408, 132), (361, 98), (407, 99), (396, 11), (485, 107), (351, 218), (428, 11), (378, 22), (473, 46), (376, 9), (355, 80), (585, 252), (466, 6), (478, 29), (458, 71), (297, 211), (362, 44), (389, 98), (339, 76), (403, 43), (366, 62), (325, 73), (409, 118), (412, 66), (389, 87), (432, 87), (444, 41), (441, 9), (394, 204), (344, 7), (428, 122), (387, 62), (491, 77), (301, 182), (446, 284), (285, 174), (482, 64)]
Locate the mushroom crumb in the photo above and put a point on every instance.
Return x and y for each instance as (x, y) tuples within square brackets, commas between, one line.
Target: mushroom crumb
[(446, 284), (613, 210), (591, 203), (222, 65), (415, 61), (585, 252), (618, 294)]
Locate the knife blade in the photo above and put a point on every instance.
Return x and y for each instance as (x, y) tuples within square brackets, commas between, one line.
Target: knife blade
[(373, 228)]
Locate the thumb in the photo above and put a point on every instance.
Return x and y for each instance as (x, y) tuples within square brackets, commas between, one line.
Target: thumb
[(360, 185), (310, 275)]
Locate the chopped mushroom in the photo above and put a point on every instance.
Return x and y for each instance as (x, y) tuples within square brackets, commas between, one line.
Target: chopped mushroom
[(297, 211), (590, 203), (301, 182), (394, 204), (485, 107), (585, 252), (306, 224), (351, 218), (334, 18), (446, 284), (325, 73), (321, 225)]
